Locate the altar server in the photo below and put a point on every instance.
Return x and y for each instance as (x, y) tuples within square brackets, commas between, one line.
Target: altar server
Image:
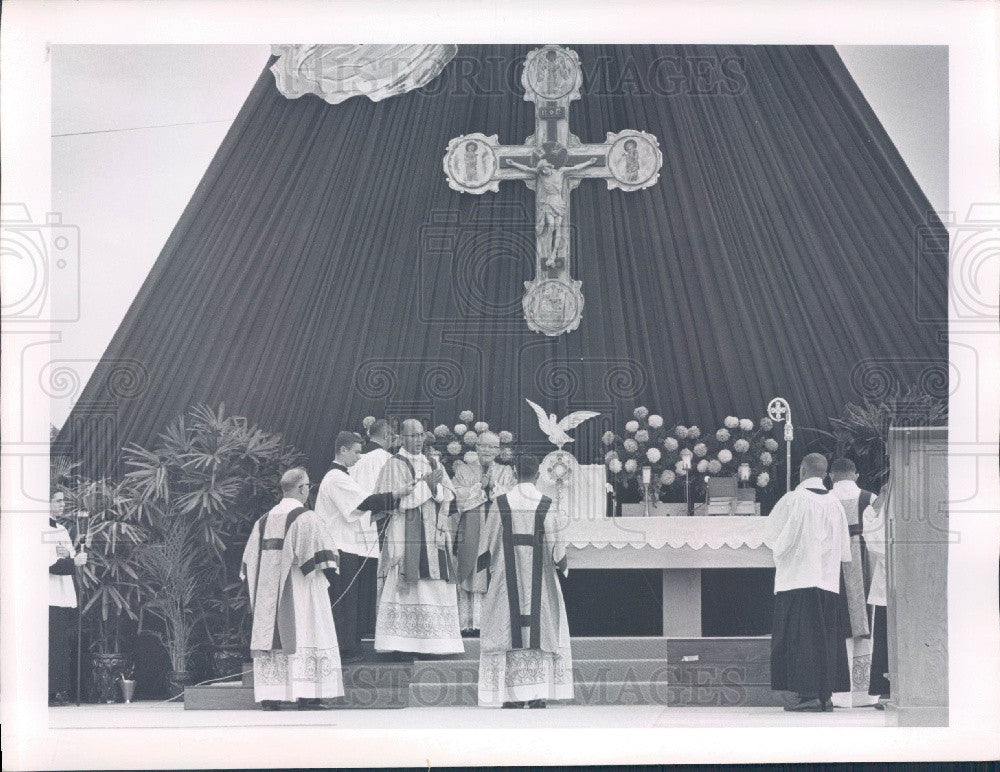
[(477, 484), (293, 639), (344, 504), (63, 564), (418, 604), (856, 579), (808, 536), (524, 642)]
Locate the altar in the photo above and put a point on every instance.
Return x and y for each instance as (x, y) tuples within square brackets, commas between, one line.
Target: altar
[(680, 546)]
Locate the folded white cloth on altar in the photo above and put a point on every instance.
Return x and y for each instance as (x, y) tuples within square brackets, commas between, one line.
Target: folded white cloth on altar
[(338, 72)]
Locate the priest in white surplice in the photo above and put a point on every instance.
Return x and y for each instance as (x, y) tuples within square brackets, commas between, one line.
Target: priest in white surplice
[(808, 537), (477, 484), (293, 639), (524, 639), (417, 604)]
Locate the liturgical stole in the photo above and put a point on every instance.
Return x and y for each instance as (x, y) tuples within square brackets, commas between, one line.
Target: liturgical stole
[(416, 551), (856, 576), (267, 601)]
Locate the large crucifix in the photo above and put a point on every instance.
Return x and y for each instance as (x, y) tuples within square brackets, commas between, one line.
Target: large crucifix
[(552, 162)]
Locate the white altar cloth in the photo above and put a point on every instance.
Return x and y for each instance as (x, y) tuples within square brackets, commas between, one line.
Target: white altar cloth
[(659, 532)]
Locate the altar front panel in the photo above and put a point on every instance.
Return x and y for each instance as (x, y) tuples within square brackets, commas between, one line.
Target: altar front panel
[(680, 546)]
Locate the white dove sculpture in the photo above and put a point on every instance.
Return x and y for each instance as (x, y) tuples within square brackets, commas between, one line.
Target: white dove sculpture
[(556, 430)]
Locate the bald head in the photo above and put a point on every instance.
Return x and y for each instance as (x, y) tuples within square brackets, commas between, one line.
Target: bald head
[(295, 484), (413, 435), (487, 447), (813, 465)]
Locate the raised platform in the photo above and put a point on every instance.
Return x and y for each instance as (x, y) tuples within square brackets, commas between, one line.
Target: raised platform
[(670, 672)]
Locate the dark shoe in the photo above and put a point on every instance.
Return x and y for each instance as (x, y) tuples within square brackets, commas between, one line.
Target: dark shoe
[(827, 706), (806, 706), (536, 703), (270, 705), (879, 706), (513, 705), (311, 703)]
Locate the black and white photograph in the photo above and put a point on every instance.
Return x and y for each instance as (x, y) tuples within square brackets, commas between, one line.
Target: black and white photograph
[(535, 397)]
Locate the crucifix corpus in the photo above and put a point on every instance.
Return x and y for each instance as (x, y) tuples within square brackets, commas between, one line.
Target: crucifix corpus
[(552, 162)]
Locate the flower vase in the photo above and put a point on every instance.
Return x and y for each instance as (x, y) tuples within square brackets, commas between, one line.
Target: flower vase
[(106, 671)]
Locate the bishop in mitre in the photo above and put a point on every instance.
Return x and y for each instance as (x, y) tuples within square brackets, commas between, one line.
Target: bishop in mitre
[(293, 640), (524, 640), (477, 484), (417, 600)]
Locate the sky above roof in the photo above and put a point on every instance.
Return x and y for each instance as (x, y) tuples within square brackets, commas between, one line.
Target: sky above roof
[(135, 127)]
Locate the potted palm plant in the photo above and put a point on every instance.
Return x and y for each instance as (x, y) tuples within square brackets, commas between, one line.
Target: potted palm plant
[(861, 432), (169, 570), (100, 518), (200, 489)]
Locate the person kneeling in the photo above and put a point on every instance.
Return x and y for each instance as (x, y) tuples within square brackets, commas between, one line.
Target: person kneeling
[(524, 638)]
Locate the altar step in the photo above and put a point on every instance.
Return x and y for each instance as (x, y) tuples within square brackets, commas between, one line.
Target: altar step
[(366, 685), (673, 672)]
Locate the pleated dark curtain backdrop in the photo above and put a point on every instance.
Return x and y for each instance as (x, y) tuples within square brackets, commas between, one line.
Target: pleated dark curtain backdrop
[(324, 271)]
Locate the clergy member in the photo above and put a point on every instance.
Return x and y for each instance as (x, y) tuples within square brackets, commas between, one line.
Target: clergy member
[(417, 602), (808, 537), (293, 640), (344, 505), (524, 642), (874, 533), (477, 484), (856, 579)]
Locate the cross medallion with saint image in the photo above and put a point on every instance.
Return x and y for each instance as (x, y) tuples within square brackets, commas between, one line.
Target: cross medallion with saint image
[(552, 162)]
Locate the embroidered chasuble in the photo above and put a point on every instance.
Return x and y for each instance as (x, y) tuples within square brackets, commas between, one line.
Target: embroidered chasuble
[(471, 500), (856, 581), (417, 601), (293, 639), (524, 639)]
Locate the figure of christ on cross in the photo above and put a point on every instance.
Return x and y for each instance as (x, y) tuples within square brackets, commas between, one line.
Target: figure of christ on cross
[(550, 205)]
